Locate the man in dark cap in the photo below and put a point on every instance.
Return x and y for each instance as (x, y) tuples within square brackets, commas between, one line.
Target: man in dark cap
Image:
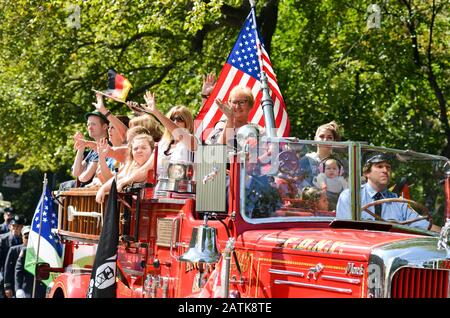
[(10, 263), (24, 280), (12, 238), (84, 167), (377, 170), (7, 217)]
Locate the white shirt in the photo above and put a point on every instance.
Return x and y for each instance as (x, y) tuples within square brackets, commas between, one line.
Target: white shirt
[(335, 185)]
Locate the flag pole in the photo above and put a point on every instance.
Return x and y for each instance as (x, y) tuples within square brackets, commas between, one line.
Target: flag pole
[(255, 27), (266, 100), (109, 96), (40, 229)]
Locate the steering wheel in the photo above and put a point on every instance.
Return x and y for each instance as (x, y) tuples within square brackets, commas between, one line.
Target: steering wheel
[(423, 208)]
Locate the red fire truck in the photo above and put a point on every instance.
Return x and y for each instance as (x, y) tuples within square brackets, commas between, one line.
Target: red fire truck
[(231, 218), (236, 223)]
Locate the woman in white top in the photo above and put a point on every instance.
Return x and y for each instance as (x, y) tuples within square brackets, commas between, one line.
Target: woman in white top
[(178, 141)]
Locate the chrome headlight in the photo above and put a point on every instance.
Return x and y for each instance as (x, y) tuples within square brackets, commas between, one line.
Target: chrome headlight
[(177, 171)]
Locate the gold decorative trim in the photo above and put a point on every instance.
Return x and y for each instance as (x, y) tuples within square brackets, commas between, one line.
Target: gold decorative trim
[(166, 210), (300, 263)]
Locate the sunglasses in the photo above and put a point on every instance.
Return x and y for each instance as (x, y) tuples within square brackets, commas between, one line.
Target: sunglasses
[(238, 102), (177, 118)]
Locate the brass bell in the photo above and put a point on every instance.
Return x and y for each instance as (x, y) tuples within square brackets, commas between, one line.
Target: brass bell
[(202, 247)]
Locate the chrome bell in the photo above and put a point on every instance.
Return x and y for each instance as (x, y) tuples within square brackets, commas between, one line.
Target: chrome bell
[(202, 247)]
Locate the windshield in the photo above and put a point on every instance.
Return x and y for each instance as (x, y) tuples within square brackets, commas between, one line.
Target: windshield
[(287, 181), (291, 180), (401, 187)]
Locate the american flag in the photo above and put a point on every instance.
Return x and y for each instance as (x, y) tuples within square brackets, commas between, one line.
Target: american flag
[(243, 68)]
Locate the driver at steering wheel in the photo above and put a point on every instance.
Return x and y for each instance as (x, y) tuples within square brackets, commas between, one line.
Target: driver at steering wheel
[(377, 170)]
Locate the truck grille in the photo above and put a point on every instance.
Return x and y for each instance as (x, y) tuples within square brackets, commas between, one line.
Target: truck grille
[(420, 283)]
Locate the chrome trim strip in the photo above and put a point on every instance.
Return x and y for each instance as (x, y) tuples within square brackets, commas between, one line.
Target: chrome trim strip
[(354, 281), (170, 200), (284, 219), (282, 272), (322, 287)]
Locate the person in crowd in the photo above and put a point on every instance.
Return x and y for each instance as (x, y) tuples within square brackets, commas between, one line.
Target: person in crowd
[(290, 178), (119, 124), (140, 149), (177, 143), (107, 158), (10, 263), (236, 109), (118, 150), (23, 280), (178, 135), (118, 153), (377, 171), (262, 195), (149, 122), (7, 217), (133, 132), (314, 199), (137, 130), (12, 238), (310, 162), (85, 167), (330, 179)]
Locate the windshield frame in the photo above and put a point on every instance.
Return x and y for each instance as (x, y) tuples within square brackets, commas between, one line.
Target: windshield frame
[(355, 153)]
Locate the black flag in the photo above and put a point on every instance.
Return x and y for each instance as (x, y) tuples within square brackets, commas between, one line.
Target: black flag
[(103, 277)]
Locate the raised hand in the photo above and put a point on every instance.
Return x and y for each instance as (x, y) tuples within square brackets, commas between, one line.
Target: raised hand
[(150, 102), (209, 81), (103, 147), (79, 142), (226, 108), (99, 105), (135, 107)]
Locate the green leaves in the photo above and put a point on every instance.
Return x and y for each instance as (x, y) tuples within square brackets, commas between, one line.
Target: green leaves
[(329, 65), (366, 79)]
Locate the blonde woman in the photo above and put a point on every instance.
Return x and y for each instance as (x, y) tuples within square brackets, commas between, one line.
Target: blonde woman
[(178, 141), (236, 110), (140, 150)]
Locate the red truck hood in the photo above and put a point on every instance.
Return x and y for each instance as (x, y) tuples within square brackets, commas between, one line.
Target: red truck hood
[(338, 243)]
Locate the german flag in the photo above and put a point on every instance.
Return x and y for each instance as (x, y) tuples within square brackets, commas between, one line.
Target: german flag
[(401, 188), (118, 86)]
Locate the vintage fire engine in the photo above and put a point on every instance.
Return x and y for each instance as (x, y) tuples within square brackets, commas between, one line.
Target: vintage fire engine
[(243, 219)]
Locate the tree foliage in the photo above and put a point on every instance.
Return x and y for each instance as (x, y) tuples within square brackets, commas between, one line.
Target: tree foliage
[(385, 85), (334, 67)]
